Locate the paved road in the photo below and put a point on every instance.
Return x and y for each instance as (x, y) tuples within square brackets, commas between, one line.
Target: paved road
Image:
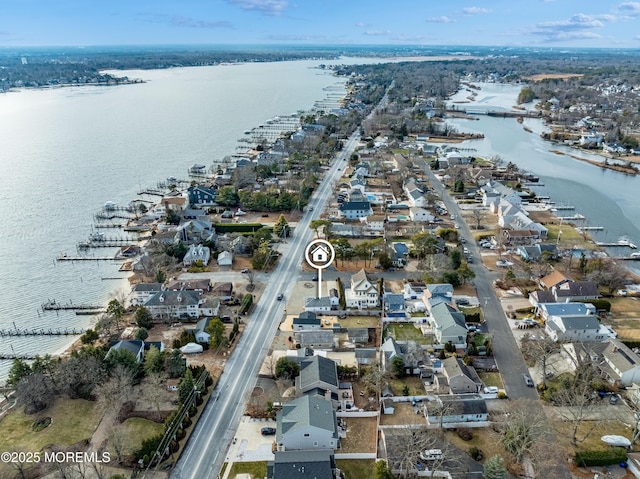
[(505, 349), (206, 450)]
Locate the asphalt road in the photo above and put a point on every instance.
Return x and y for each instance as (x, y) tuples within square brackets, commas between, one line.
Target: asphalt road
[(205, 452), (505, 349)]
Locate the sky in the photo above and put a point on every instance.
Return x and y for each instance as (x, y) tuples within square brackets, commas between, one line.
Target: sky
[(542, 23)]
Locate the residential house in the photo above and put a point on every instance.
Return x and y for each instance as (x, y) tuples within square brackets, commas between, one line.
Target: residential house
[(353, 210), (195, 231), (209, 306), (197, 253), (394, 305), (224, 291), (318, 376), (457, 409), (576, 291), (308, 422), (363, 293), (420, 215), (174, 304), (374, 223), (546, 310), (461, 378), (303, 465), (576, 328), (414, 289), (366, 356), (389, 350), (306, 321), (448, 324), (554, 279), (135, 347), (358, 335), (415, 194), (174, 203), (202, 195), (615, 362), (536, 252), (200, 330), (399, 254), (437, 293), (318, 305), (323, 339), (520, 237), (141, 292), (225, 258), (200, 285), (494, 191)]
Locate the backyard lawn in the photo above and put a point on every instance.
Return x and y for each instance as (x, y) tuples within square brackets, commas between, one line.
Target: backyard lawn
[(362, 434), (406, 332), (416, 388), (491, 379), (136, 430), (257, 470), (356, 468)]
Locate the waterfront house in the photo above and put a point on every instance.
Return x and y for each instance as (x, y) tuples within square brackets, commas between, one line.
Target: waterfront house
[(308, 422), (554, 279), (202, 195), (199, 285), (141, 292), (195, 231), (363, 293), (174, 203), (135, 347), (197, 253), (174, 304)]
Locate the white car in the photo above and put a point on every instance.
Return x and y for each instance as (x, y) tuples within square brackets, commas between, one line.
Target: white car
[(491, 390)]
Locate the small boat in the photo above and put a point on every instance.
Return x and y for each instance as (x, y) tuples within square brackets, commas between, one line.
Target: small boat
[(98, 236), (614, 440), (110, 205)]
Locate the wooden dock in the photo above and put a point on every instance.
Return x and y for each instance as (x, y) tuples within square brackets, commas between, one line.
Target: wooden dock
[(53, 305), (66, 257), (5, 333)]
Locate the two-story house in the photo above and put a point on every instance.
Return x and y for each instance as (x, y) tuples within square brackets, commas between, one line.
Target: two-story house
[(141, 292), (202, 195), (174, 304), (462, 379), (307, 423), (353, 210), (197, 253), (448, 324), (363, 293)]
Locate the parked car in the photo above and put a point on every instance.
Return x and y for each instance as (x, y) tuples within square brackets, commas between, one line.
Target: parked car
[(491, 390), (431, 455), (527, 380), (244, 270), (613, 399), (268, 431), (315, 278), (469, 259)]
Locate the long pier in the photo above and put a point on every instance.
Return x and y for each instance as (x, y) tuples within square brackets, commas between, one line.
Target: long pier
[(624, 244), (41, 332), (65, 257), (17, 356), (53, 305)]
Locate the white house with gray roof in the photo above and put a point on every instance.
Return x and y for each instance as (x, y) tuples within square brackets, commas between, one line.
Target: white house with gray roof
[(174, 304), (448, 324), (353, 210), (318, 305), (323, 339), (318, 376), (307, 423), (195, 253), (363, 293), (141, 292), (576, 328), (306, 321), (615, 362)]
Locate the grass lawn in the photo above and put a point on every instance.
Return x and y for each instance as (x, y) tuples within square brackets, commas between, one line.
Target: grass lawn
[(491, 379), (403, 415), (257, 470), (356, 468), (479, 339), (73, 420), (136, 430), (406, 332), (413, 383), (625, 306), (484, 439), (360, 322), (564, 431)]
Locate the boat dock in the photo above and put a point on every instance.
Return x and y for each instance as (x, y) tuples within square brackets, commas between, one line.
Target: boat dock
[(590, 228), (5, 333), (109, 225), (565, 208), (53, 305), (572, 218), (65, 257), (622, 244)]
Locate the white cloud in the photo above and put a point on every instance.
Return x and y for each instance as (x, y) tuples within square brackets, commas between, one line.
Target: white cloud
[(362, 25), (576, 22), (266, 7), (187, 22), (442, 19), (631, 9), (474, 10)]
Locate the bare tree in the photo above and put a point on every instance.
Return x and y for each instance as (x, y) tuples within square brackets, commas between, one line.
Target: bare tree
[(539, 351), (608, 273), (478, 216), (376, 377), (153, 390), (113, 393), (525, 426), (116, 439), (575, 402), (251, 277), (33, 391)]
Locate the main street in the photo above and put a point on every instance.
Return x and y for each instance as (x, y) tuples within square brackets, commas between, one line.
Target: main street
[(205, 452)]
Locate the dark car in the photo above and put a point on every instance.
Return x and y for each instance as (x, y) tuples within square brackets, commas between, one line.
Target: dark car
[(280, 296), (315, 278), (268, 431)]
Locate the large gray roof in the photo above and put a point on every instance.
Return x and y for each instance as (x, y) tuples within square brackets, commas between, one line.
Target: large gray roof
[(303, 412), (314, 464), (318, 368)]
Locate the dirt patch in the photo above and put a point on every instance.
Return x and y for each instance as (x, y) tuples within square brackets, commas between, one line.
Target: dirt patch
[(362, 434), (404, 414)]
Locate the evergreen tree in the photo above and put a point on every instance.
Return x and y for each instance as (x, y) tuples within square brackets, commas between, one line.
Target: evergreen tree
[(281, 228), (186, 387), (494, 468)]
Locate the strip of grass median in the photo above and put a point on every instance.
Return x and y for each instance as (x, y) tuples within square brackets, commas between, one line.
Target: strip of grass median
[(255, 469)]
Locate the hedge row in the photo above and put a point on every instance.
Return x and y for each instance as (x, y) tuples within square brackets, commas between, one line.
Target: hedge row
[(615, 455)]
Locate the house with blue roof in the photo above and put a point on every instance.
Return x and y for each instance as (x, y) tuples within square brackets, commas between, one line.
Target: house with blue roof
[(202, 195)]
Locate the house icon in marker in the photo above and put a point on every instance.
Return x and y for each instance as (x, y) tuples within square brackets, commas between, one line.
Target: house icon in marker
[(320, 254)]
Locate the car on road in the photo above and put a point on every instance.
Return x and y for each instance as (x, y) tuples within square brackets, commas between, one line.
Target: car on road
[(463, 241), (469, 259), (315, 278), (310, 208), (268, 431), (280, 296), (244, 270), (456, 226), (465, 250), (527, 380), (613, 399)]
